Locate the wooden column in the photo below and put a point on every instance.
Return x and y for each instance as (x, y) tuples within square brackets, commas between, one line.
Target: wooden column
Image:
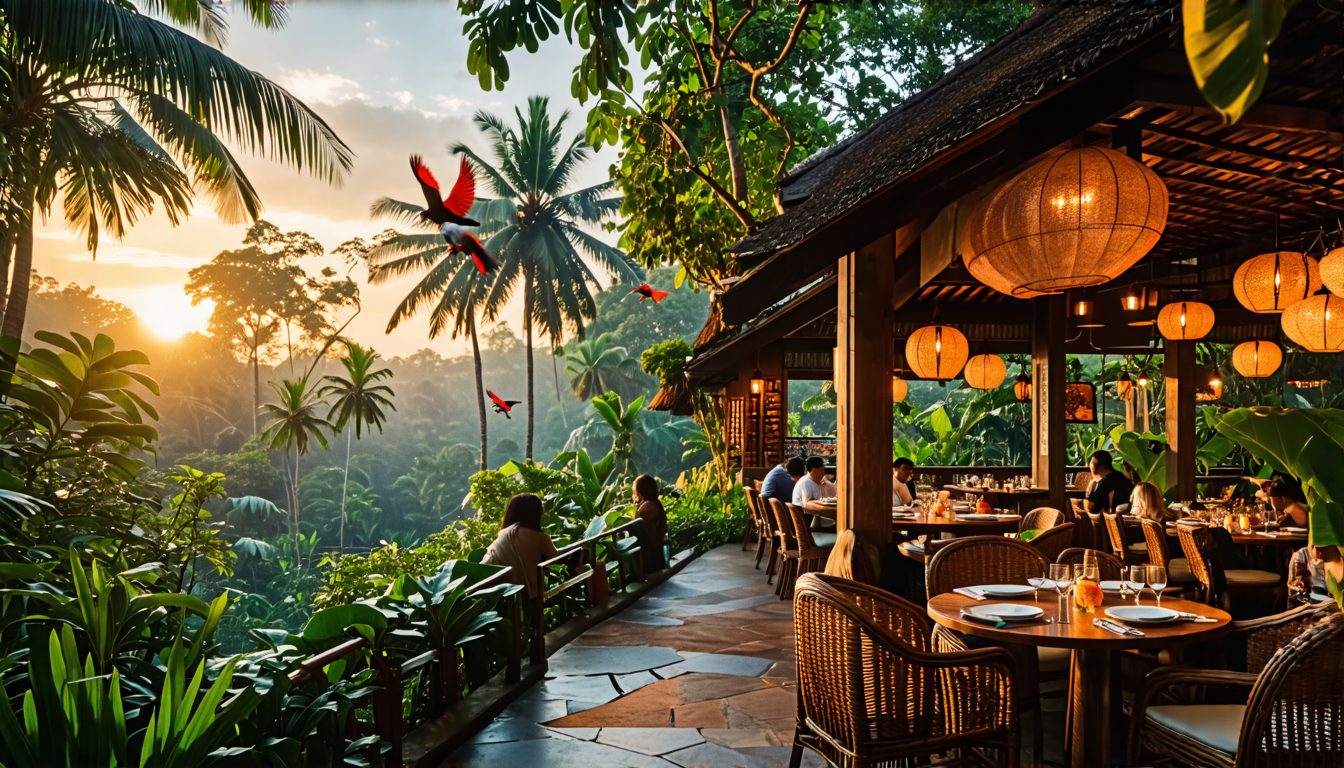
[(864, 363), (1049, 450), (1178, 366)]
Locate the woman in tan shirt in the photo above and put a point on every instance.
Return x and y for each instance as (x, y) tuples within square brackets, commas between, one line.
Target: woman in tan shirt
[(521, 544), (653, 535)]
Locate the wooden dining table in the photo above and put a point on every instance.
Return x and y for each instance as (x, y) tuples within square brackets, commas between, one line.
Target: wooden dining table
[(1094, 691), (1003, 497)]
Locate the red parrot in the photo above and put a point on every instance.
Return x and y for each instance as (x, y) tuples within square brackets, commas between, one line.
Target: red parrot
[(501, 405), (645, 291), (451, 215)]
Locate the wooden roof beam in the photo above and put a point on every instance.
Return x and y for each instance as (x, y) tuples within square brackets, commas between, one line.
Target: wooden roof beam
[(1180, 95), (1246, 150), (1242, 170)]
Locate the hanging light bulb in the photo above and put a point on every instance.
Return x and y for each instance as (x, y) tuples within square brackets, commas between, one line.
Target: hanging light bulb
[(1142, 381), (1132, 301)]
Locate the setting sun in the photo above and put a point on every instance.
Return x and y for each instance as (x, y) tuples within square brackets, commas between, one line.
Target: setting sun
[(167, 310)]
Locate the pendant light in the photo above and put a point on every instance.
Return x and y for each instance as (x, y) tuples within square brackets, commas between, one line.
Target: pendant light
[(936, 352), (899, 389), (985, 371), (1316, 324), (1142, 381), (1273, 282), (1332, 271), (1022, 387), (1077, 218), (1256, 359), (1185, 320), (1124, 387)]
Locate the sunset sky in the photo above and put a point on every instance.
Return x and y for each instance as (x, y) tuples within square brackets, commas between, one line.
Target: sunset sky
[(390, 77)]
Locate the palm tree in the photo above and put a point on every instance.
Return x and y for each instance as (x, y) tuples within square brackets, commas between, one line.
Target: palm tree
[(118, 113), (596, 366), (359, 400), (544, 246), (450, 283), (295, 423)]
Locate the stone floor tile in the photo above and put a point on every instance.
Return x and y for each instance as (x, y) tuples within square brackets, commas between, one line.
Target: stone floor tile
[(595, 688), (575, 706), (537, 710), (635, 680), (728, 664), (595, 660), (551, 752), (582, 734), (506, 728), (737, 738), (700, 714), (780, 756), (651, 741), (714, 756), (648, 618)]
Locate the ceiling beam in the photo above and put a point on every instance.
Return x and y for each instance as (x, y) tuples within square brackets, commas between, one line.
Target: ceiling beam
[(1246, 150)]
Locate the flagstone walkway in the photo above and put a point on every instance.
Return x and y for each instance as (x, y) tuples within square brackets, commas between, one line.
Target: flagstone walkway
[(697, 673)]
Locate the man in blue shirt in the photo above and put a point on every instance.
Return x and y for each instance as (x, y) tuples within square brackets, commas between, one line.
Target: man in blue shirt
[(778, 483)]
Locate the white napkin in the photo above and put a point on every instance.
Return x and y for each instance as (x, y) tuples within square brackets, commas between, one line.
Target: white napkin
[(970, 592)]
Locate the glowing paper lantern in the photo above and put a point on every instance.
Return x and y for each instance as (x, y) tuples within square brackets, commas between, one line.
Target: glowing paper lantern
[(1124, 387), (1185, 320), (1273, 282), (1256, 359), (1077, 218), (1332, 271), (899, 389), (985, 371), (1316, 324), (1022, 387), (936, 352)]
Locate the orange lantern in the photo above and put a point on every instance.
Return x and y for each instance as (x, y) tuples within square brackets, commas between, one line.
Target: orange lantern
[(985, 371), (1185, 320), (1078, 218), (1273, 282), (1256, 359), (1332, 271), (936, 352), (899, 389), (1316, 324)]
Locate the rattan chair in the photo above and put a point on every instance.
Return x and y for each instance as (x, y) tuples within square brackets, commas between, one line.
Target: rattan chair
[(812, 552), (1040, 519), (1109, 566), (853, 558), (1178, 568), (1054, 540), (1218, 585), (786, 546), (760, 523), (1130, 553), (872, 691), (1291, 718)]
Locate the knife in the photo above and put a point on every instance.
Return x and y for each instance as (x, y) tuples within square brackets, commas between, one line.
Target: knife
[(1118, 629)]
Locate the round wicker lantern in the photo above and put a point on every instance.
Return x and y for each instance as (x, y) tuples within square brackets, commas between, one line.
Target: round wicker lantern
[(1273, 282), (1124, 387), (1185, 320), (985, 371), (1074, 219), (936, 352), (1256, 359), (1316, 324), (1332, 271), (1022, 387), (899, 389)]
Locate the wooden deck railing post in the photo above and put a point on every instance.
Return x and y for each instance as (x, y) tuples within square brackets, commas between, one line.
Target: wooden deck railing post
[(597, 581), (387, 712), (513, 663)]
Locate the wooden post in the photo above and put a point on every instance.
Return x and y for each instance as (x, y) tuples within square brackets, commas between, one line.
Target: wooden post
[(865, 350), (1178, 366), (1048, 447)]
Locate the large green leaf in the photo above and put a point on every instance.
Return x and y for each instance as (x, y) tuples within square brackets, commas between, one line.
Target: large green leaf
[(1227, 45), (330, 624)]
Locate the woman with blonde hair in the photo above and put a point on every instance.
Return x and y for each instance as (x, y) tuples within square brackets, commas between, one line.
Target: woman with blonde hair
[(1146, 501)]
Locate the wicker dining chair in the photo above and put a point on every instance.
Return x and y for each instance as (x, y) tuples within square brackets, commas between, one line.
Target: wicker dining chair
[(872, 690), (1178, 568), (786, 546), (1217, 584), (1109, 566), (1290, 719), (812, 549), (1040, 519), (1052, 541), (1130, 553), (853, 558), (761, 526)]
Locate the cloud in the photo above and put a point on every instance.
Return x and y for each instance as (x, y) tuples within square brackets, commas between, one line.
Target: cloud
[(137, 257), (314, 87)]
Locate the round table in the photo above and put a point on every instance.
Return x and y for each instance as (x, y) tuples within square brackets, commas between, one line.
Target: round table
[(1093, 694), (1003, 496), (923, 522), (1294, 540)]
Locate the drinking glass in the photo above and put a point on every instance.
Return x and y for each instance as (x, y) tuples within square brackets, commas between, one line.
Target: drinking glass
[(1060, 578), (1035, 578), (1138, 577), (1157, 579)]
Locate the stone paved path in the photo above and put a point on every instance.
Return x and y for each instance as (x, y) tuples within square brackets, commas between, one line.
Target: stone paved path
[(697, 673)]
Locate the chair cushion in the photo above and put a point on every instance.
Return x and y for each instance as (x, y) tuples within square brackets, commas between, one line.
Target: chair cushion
[(1217, 725), (1141, 546), (1050, 660), (823, 540), (1246, 577), (1178, 572)]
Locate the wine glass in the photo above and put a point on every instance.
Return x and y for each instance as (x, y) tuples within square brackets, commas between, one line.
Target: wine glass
[(1035, 578), (1138, 577), (1060, 578), (1157, 579)]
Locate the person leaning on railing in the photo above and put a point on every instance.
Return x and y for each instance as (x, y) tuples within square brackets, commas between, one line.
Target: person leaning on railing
[(652, 534), (521, 544)]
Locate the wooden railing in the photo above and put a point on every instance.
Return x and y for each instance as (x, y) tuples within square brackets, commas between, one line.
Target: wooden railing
[(594, 564)]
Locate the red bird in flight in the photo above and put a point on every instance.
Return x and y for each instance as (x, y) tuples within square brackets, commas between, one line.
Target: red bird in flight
[(645, 291), (451, 214), (501, 405)]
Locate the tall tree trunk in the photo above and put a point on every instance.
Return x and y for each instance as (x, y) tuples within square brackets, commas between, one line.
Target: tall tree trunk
[(6, 259), (480, 388), (345, 483), (294, 504), (555, 369), (735, 161), (16, 307), (256, 391), (528, 288)]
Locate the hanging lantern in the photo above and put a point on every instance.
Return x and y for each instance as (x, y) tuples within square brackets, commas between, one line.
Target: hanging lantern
[(1316, 324), (1185, 320), (899, 389), (1142, 380), (1332, 271), (1124, 387), (985, 371), (1077, 218), (1273, 282), (1211, 390), (1140, 306), (1022, 387), (757, 382), (1256, 359), (936, 352)]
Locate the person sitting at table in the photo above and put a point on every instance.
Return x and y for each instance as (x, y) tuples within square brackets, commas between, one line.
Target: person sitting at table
[(1285, 496), (780, 480), (653, 534), (521, 544), (902, 482), (1306, 570), (1108, 488), (813, 486), (1146, 501)]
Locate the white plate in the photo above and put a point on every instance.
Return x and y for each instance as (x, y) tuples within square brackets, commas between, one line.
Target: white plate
[(1142, 614), (832, 501), (1004, 612), (1004, 518), (1292, 529), (975, 517), (1110, 587), (1005, 590)]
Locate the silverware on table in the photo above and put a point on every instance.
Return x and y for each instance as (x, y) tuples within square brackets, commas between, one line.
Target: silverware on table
[(1113, 627)]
